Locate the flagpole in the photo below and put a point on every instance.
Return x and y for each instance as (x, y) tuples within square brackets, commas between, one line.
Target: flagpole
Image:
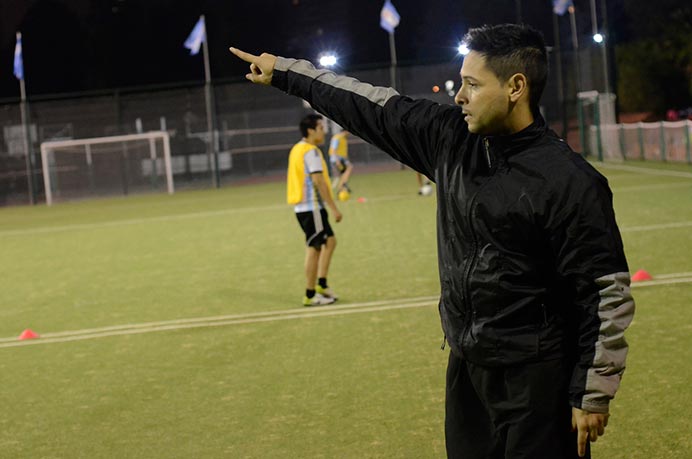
[(392, 54), (27, 143), (575, 45), (560, 80), (212, 155), (25, 129)]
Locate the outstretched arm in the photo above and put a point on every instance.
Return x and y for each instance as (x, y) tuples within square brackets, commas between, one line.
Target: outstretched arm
[(411, 131)]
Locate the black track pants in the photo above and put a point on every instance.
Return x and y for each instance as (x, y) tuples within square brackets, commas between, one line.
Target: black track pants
[(518, 412)]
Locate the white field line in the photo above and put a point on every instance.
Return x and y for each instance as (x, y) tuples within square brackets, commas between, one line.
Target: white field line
[(662, 226), (673, 275), (252, 315), (679, 280), (163, 218), (326, 312), (268, 316), (136, 221), (643, 170), (56, 229), (659, 186)]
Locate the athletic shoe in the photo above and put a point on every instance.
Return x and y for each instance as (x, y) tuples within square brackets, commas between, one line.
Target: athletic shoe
[(317, 300), (326, 292)]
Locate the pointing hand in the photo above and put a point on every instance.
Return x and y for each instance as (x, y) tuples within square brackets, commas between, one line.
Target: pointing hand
[(261, 67)]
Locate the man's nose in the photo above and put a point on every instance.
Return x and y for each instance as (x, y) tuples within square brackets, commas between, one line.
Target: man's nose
[(459, 99)]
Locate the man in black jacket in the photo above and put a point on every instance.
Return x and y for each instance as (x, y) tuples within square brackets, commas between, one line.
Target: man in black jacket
[(535, 291)]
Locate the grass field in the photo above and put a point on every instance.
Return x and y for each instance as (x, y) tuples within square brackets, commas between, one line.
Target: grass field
[(171, 326)]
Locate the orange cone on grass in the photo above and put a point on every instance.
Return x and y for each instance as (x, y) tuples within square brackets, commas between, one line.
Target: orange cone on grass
[(28, 334), (641, 275)]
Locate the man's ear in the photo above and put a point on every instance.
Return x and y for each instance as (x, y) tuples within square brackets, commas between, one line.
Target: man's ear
[(518, 87)]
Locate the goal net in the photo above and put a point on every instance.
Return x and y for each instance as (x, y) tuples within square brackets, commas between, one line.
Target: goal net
[(103, 166), (599, 135)]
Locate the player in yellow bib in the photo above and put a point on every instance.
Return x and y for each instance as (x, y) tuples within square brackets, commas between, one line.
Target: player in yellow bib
[(338, 157), (308, 189)]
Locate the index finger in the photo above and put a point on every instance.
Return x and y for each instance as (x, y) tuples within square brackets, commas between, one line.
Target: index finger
[(247, 57), (582, 438)]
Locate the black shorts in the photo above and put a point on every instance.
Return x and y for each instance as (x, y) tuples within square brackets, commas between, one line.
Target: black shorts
[(315, 226)]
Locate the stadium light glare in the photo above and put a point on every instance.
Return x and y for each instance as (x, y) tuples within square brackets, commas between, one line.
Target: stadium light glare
[(598, 38), (328, 60), (449, 87), (463, 49)]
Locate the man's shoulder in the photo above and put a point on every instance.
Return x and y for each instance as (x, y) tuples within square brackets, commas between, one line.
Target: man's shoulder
[(570, 171)]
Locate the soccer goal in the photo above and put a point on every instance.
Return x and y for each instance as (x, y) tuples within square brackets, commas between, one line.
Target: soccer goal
[(102, 166)]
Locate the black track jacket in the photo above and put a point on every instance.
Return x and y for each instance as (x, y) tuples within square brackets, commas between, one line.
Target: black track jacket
[(531, 261)]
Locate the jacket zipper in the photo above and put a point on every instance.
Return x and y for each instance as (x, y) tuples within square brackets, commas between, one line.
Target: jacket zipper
[(486, 144)]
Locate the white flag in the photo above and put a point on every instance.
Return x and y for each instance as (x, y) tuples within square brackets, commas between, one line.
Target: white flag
[(18, 60), (560, 7), (197, 36), (389, 17)]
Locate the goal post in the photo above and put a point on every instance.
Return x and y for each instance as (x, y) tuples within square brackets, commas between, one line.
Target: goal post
[(106, 165)]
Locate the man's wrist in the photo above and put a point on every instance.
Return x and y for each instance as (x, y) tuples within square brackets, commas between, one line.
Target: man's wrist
[(596, 408)]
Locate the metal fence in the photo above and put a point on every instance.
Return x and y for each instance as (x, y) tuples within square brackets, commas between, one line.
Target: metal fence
[(661, 141)]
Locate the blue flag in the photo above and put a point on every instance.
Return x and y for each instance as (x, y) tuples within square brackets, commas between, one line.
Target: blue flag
[(197, 36), (18, 61), (389, 17), (560, 6)]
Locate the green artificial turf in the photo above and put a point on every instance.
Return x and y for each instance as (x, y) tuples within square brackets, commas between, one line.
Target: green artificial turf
[(279, 381)]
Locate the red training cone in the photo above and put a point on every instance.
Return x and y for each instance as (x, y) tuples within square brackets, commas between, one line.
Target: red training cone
[(362, 199), (28, 334), (641, 275)]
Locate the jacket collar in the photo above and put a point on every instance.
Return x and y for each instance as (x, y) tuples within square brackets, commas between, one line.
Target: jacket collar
[(510, 144)]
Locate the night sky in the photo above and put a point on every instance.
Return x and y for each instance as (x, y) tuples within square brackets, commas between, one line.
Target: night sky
[(82, 45)]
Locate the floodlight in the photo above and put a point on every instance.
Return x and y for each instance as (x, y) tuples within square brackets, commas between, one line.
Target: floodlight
[(328, 60)]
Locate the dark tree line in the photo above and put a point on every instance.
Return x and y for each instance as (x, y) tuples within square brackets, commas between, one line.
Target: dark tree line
[(655, 68)]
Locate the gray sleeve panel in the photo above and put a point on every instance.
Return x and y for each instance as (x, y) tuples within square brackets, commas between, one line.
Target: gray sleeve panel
[(416, 132), (376, 95), (615, 310)]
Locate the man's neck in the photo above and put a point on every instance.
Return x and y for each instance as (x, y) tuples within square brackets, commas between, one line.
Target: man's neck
[(521, 119)]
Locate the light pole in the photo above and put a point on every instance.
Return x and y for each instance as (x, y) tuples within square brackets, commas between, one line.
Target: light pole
[(600, 39)]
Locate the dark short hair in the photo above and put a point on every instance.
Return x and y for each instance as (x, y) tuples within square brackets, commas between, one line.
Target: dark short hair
[(309, 122), (510, 49)]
